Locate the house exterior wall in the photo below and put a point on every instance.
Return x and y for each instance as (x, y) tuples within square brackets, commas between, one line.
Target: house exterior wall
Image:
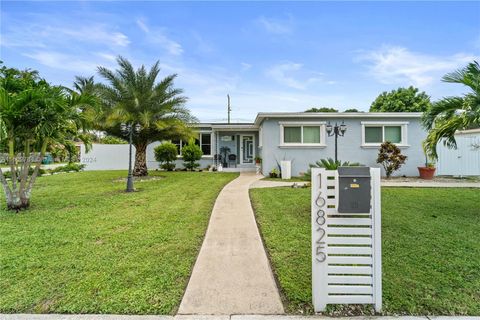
[(153, 164), (349, 146)]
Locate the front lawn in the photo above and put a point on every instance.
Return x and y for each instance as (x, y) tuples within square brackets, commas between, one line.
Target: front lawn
[(430, 239), (85, 246)]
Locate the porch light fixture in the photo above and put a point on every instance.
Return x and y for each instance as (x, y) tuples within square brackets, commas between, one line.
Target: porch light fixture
[(329, 129), (337, 130), (129, 129)]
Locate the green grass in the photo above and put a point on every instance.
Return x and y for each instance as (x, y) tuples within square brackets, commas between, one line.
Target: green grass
[(430, 245), (86, 246)]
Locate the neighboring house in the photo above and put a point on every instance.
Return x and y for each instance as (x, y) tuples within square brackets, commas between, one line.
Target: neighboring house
[(302, 138)]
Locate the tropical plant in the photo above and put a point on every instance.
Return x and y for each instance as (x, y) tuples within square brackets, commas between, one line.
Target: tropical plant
[(191, 153), (401, 100), (390, 157), (135, 96), (274, 173), (328, 164), (112, 140), (58, 152), (451, 114), (33, 117), (322, 109), (166, 154), (76, 167)]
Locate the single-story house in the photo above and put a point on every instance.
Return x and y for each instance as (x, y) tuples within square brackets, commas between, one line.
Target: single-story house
[(302, 138)]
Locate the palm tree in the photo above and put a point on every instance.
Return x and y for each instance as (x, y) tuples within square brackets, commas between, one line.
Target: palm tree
[(450, 114), (33, 116), (134, 96)]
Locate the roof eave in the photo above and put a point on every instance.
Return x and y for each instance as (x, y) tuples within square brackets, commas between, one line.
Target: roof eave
[(262, 115)]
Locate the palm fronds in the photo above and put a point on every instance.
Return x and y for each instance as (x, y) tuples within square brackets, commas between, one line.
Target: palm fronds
[(451, 114)]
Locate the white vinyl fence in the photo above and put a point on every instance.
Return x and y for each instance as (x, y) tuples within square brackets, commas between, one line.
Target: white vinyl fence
[(463, 161), (346, 247), (113, 157)]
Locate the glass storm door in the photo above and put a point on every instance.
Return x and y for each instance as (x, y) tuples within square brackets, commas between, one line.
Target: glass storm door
[(248, 149)]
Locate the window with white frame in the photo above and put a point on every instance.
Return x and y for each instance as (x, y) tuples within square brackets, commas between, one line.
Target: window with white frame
[(205, 143), (299, 134), (204, 140), (179, 144), (375, 133)]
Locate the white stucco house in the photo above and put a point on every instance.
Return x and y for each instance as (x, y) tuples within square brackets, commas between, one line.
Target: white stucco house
[(302, 138)]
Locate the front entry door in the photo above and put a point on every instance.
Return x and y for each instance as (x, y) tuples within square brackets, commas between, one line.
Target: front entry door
[(247, 149)]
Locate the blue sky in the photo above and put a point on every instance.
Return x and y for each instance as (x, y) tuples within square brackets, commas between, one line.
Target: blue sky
[(269, 56)]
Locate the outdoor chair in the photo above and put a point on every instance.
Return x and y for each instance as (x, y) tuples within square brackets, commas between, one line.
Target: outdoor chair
[(232, 158)]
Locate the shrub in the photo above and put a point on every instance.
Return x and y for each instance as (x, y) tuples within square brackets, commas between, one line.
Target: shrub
[(390, 157), (69, 167), (8, 174), (191, 153), (328, 164), (274, 173), (166, 154), (112, 140)]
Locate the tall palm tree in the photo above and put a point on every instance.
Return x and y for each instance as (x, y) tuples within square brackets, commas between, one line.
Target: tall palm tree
[(450, 114), (134, 96)]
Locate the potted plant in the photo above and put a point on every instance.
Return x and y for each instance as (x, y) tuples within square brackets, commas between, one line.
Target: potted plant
[(274, 173), (258, 160), (428, 171)]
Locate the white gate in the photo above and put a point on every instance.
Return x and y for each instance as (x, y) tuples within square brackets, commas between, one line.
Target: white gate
[(346, 247)]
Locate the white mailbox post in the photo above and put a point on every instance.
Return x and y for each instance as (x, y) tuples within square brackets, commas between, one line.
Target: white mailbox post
[(346, 247)]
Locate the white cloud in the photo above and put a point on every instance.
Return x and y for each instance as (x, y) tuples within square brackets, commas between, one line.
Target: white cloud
[(276, 26), (398, 65), (293, 75), (142, 25), (62, 61), (245, 66), (158, 36), (28, 35)]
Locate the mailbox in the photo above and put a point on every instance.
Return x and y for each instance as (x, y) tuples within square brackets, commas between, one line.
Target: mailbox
[(354, 194)]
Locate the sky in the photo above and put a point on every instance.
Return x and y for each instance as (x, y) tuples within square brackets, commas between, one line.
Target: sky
[(269, 56)]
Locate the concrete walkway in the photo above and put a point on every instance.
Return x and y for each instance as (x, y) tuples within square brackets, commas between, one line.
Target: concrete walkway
[(232, 274)]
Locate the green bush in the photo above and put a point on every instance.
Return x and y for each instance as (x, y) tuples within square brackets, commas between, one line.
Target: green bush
[(328, 164), (69, 167), (8, 174), (191, 153), (166, 154), (112, 140)]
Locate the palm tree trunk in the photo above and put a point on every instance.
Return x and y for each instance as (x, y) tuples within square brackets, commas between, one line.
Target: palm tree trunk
[(140, 169)]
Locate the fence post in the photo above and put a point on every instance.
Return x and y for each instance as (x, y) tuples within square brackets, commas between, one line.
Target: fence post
[(319, 234), (377, 238)]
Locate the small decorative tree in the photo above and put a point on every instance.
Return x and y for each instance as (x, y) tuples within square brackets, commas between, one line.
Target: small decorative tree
[(166, 154), (191, 153), (390, 157)]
